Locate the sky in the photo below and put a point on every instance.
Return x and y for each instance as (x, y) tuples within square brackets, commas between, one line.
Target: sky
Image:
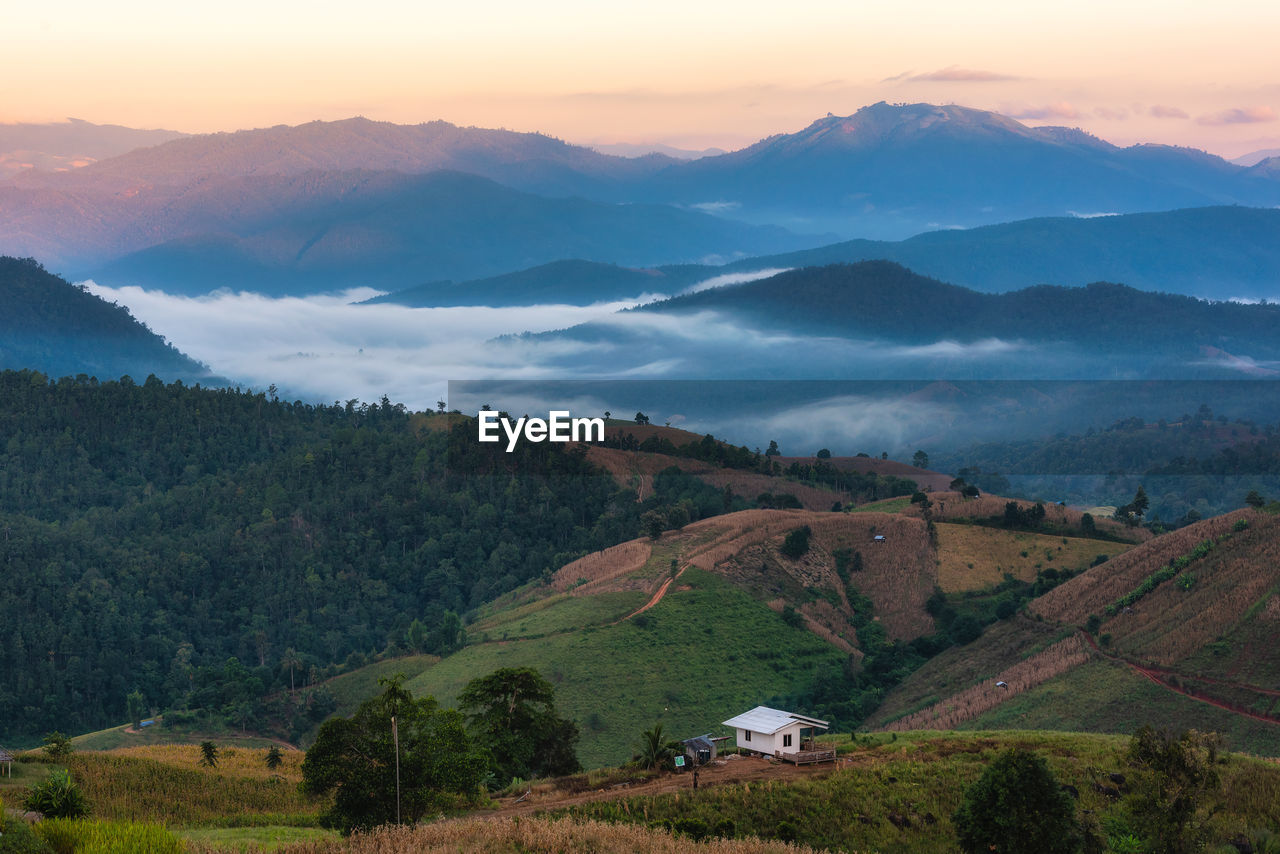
[(693, 73)]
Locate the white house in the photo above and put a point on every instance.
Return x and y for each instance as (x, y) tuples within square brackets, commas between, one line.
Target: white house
[(774, 732)]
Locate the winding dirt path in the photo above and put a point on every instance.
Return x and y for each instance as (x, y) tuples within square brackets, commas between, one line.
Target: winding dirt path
[(655, 598)]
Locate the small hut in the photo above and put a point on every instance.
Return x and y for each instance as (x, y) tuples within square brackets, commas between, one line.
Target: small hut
[(6, 759), (701, 749), (785, 735)]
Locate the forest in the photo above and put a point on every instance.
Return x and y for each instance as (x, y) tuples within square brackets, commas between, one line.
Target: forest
[(172, 547)]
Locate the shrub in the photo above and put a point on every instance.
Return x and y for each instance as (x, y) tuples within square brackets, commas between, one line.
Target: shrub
[(1175, 775), (796, 543), (1017, 807), (57, 797)]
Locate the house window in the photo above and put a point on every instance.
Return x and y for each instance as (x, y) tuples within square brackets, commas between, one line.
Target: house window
[(746, 735), (786, 740)]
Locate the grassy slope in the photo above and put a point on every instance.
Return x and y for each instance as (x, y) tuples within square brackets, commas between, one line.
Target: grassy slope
[(1222, 627), (971, 557), (900, 794), (703, 654), (1104, 696), (117, 737)]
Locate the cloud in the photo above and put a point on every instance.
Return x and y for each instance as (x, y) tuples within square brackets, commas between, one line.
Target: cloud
[(1108, 113), (895, 78), (955, 74), (1059, 110), (323, 348), (1239, 116), (716, 207), (735, 279), (1163, 111)]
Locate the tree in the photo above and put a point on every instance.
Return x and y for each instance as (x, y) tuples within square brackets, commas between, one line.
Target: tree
[(208, 754), (273, 758), (796, 543), (291, 662), (57, 746), (135, 704), (824, 454), (512, 713), (920, 460), (354, 759), (655, 750), (1254, 499), (772, 450), (1017, 807), (1174, 774), (641, 418)]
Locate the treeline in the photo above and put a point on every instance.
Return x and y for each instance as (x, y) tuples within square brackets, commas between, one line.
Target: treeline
[(1192, 467), (150, 533)]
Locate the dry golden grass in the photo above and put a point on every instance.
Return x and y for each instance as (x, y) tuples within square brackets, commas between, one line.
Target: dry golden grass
[(1170, 623), (528, 836), (1093, 591), (972, 557), (980, 698), (602, 566), (898, 574), (950, 506), (232, 761)]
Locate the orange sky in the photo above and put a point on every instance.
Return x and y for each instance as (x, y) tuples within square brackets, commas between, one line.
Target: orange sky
[(687, 73)]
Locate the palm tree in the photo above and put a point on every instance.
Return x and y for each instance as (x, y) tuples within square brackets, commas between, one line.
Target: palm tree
[(656, 752), (290, 660)]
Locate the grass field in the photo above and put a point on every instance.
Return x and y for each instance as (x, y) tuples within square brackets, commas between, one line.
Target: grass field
[(899, 795), (1104, 696), (972, 557), (888, 505), (160, 784), (706, 652), (562, 613), (117, 737), (268, 838)]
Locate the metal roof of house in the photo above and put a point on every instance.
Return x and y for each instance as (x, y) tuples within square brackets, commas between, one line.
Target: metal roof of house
[(699, 742), (5, 755), (766, 720)]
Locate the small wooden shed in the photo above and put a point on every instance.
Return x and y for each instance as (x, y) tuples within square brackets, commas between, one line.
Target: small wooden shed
[(6, 759)]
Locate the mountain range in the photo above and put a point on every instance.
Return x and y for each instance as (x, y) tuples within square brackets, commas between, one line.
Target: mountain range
[(1213, 253), (269, 196), (879, 320)]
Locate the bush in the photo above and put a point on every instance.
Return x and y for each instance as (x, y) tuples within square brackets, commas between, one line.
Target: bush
[(57, 797), (796, 543), (17, 838), (1017, 807)]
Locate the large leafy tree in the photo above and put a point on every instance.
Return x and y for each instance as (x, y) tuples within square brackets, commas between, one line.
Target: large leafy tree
[(512, 712), (354, 758), (1017, 807)]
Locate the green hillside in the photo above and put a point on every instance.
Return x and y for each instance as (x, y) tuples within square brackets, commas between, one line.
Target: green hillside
[(52, 326)]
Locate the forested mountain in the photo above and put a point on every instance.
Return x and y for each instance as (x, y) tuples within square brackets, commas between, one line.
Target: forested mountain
[(151, 533), (52, 326), (885, 301), (1192, 465), (570, 282), (1213, 252), (329, 230)]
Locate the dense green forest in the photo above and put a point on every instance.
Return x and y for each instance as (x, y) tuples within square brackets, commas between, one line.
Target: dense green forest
[(51, 325), (204, 548), (151, 533), (883, 300)]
